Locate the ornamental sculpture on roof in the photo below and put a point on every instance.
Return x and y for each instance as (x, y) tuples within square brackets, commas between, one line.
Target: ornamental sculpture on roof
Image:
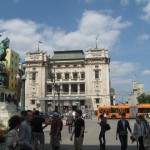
[(3, 46)]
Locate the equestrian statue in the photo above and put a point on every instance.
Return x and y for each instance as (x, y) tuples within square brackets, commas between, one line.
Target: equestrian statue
[(3, 46)]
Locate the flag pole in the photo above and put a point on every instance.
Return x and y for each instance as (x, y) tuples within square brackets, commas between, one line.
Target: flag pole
[(38, 46)]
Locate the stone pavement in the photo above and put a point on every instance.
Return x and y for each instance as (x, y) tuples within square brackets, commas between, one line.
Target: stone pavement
[(91, 141)]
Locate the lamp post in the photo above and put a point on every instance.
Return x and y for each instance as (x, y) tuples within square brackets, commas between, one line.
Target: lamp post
[(22, 78), (49, 106), (58, 91), (38, 104)]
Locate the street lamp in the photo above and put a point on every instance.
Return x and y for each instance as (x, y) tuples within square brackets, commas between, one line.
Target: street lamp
[(22, 78)]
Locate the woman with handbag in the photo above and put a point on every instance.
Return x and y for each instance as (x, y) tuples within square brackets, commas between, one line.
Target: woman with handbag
[(102, 139), (12, 140), (139, 132)]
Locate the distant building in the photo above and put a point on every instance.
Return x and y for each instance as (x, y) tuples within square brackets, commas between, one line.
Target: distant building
[(137, 90), (9, 91), (112, 96), (83, 80), (12, 64)]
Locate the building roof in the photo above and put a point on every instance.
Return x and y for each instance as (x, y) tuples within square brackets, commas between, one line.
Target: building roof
[(68, 55)]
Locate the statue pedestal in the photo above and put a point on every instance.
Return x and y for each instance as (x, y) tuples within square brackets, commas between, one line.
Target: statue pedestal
[(6, 111)]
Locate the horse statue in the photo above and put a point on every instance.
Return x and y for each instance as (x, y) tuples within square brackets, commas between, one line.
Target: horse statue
[(3, 46)]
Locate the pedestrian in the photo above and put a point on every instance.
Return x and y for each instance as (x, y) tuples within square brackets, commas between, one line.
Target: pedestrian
[(122, 127), (37, 130), (25, 132), (102, 139), (145, 124), (69, 123), (139, 132), (55, 133), (12, 140), (78, 131)]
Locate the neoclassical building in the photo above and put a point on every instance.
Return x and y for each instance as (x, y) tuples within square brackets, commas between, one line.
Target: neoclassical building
[(68, 80)]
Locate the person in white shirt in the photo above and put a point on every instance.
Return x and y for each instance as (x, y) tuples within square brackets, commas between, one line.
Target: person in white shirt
[(138, 132)]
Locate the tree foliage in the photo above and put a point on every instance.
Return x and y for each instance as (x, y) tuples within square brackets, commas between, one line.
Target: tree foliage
[(144, 98)]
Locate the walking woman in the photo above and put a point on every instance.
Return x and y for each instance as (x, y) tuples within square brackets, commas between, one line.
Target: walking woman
[(139, 132), (12, 140), (122, 132), (102, 140)]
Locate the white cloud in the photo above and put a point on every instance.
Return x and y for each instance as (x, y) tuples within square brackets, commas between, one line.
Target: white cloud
[(141, 1), (146, 11), (118, 68), (124, 2), (143, 37), (146, 72), (24, 34)]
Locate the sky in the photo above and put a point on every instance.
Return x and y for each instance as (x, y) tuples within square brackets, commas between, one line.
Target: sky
[(121, 26)]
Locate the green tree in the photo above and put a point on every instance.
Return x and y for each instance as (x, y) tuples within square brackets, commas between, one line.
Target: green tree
[(143, 98)]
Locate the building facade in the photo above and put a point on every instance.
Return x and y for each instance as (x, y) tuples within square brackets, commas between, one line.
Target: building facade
[(11, 66), (68, 80)]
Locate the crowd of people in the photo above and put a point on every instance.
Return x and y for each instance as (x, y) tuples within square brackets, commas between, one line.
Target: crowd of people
[(140, 134), (26, 131)]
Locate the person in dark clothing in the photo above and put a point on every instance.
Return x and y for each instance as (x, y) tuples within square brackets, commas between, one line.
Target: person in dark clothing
[(55, 133), (78, 131), (122, 132), (37, 130), (102, 140)]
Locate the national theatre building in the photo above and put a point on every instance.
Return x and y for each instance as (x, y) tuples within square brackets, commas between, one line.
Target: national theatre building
[(67, 80)]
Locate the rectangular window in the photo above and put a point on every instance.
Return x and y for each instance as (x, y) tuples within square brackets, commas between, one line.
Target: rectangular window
[(58, 76), (65, 87), (82, 75), (33, 102), (97, 100), (82, 87), (96, 74), (49, 88), (75, 75), (67, 76), (74, 88), (33, 76)]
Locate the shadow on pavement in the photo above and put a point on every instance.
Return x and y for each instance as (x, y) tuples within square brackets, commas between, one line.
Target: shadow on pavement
[(90, 147)]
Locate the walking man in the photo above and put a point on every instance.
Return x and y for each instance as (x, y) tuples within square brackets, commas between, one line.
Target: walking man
[(37, 130), (122, 132), (78, 131), (55, 132), (25, 132)]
